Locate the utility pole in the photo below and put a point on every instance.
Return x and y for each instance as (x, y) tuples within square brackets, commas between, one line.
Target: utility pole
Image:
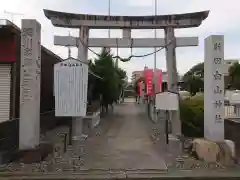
[(155, 66), (12, 14), (69, 47), (155, 54), (109, 11)]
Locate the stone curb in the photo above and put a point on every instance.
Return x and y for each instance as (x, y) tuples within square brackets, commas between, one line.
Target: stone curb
[(232, 174)]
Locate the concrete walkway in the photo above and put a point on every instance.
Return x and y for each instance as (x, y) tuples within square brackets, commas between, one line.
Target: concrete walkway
[(126, 144)]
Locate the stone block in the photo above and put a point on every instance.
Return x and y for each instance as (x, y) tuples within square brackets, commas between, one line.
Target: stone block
[(37, 154), (212, 152), (96, 119), (206, 150), (60, 144), (232, 147)]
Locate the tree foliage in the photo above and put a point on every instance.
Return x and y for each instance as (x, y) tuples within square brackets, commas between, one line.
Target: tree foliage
[(234, 76), (112, 83), (193, 79)]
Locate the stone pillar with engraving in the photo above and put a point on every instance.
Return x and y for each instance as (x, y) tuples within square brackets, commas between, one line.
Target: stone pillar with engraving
[(214, 88), (29, 124), (77, 125)]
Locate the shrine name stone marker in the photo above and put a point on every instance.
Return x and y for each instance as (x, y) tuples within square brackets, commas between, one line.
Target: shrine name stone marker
[(214, 88), (29, 125)]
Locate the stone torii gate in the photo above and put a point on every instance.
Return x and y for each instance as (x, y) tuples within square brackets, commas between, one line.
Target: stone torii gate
[(84, 22)]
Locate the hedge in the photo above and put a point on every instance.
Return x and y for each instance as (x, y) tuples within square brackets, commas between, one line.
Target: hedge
[(192, 117)]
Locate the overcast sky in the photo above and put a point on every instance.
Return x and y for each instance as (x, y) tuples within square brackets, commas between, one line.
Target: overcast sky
[(224, 19)]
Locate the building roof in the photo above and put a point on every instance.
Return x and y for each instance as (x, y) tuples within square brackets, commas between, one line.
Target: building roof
[(8, 25)]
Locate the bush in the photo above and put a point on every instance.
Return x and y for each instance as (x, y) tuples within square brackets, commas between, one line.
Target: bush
[(192, 117)]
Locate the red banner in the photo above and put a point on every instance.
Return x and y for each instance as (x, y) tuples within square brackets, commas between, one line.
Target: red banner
[(148, 79), (149, 74)]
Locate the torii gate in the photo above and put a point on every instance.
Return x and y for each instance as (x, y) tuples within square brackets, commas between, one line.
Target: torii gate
[(84, 22)]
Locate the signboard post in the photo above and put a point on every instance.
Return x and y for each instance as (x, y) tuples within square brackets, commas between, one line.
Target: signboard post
[(167, 101), (29, 128), (214, 88)]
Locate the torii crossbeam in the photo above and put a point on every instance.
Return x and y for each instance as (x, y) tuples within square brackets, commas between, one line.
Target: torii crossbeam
[(124, 42)]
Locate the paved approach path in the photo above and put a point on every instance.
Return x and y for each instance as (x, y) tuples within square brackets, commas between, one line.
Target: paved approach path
[(126, 144)]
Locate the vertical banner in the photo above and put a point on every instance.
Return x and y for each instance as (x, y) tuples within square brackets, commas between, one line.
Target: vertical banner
[(149, 81)]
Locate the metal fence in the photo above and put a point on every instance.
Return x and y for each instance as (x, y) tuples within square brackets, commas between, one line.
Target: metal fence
[(232, 112)]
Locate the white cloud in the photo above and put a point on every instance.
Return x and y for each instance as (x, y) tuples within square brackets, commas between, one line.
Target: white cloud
[(142, 3)]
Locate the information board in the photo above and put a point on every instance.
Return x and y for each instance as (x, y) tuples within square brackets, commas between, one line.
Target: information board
[(167, 101), (70, 88)]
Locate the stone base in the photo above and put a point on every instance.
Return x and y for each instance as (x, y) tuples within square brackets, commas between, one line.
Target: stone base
[(90, 122), (175, 145), (80, 138), (95, 119), (214, 152), (35, 155)]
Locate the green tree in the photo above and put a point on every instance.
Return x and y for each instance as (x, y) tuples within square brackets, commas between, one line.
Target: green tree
[(194, 79), (234, 76), (113, 78)]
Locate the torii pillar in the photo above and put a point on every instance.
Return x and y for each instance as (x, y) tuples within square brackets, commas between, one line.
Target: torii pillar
[(77, 125), (172, 75)]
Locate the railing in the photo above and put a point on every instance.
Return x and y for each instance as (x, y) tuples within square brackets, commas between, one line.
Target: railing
[(232, 112)]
